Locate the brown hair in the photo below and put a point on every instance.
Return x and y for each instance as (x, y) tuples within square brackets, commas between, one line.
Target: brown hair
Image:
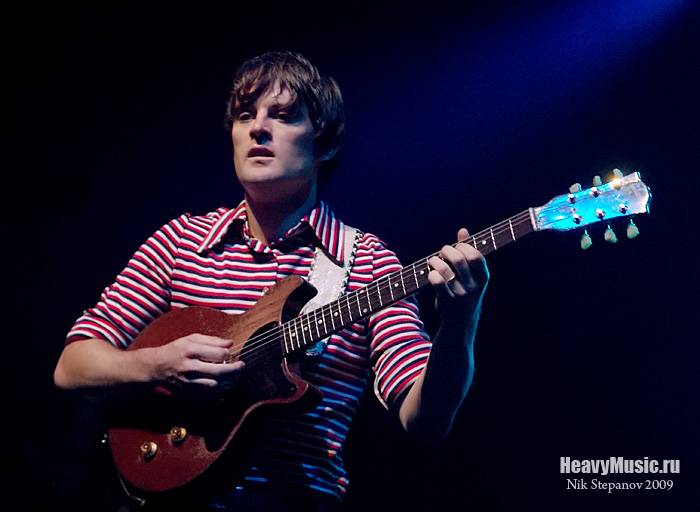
[(320, 94)]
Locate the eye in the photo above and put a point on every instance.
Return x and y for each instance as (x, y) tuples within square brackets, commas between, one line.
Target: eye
[(244, 115), (285, 113), (283, 116)]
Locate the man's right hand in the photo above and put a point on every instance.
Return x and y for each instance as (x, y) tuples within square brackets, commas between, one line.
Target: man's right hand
[(192, 364), (195, 363)]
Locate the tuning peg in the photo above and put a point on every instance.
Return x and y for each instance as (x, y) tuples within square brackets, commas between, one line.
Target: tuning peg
[(597, 182), (617, 173), (586, 241), (610, 235), (632, 230), (576, 187)]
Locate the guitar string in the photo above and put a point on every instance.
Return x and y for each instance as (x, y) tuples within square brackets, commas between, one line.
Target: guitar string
[(513, 225), (273, 337), (276, 335), (260, 342)]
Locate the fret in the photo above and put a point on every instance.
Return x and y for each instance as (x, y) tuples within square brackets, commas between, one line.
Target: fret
[(328, 325), (340, 312), (330, 318), (297, 336), (500, 237), (310, 324), (423, 273), (294, 335), (348, 307), (286, 339), (306, 330), (332, 315), (384, 287), (336, 314), (320, 323), (301, 333), (315, 323)]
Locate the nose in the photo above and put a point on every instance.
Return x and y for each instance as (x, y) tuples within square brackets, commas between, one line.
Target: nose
[(260, 130)]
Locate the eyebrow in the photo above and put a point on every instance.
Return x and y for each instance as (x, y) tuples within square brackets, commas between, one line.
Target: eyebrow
[(294, 106)]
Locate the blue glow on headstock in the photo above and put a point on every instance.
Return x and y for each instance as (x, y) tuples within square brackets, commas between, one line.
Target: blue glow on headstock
[(622, 197)]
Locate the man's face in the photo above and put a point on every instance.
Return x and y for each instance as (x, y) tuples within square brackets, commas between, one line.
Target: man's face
[(273, 144)]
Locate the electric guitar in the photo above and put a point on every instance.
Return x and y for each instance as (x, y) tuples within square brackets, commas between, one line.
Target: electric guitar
[(160, 441)]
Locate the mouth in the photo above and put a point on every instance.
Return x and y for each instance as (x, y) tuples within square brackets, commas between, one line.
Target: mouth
[(260, 151)]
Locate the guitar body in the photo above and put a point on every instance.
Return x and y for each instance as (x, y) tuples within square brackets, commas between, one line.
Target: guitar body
[(160, 441)]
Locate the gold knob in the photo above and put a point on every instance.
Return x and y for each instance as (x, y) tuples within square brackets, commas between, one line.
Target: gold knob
[(178, 434), (149, 449)]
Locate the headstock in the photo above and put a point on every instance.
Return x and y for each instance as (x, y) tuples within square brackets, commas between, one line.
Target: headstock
[(624, 196)]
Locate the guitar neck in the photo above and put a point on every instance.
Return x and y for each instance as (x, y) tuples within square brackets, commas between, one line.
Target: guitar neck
[(316, 325)]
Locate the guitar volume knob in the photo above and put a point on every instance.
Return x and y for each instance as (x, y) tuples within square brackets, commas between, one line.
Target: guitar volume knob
[(178, 434), (149, 449)]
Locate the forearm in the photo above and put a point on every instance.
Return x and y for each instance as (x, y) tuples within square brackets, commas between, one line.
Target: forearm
[(95, 363), (430, 406), (459, 275)]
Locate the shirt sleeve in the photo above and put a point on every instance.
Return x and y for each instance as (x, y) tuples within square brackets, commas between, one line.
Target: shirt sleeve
[(399, 345), (140, 294)]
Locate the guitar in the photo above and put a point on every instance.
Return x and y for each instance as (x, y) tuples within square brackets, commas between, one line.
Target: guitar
[(161, 441)]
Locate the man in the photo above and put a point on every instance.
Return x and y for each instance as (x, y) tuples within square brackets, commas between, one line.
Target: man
[(286, 124)]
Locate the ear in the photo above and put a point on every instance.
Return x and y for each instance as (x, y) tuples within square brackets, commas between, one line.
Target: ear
[(324, 157)]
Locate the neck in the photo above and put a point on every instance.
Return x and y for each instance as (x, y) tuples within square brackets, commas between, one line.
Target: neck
[(269, 220)]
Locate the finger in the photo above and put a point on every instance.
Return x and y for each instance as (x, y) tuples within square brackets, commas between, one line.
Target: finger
[(457, 260), (227, 370), (204, 339), (443, 277), (475, 262), (207, 348), (441, 272), (216, 371), (211, 354), (201, 382), (462, 235), (203, 372)]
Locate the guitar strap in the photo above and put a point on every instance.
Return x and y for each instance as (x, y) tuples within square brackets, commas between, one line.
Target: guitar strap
[(330, 279)]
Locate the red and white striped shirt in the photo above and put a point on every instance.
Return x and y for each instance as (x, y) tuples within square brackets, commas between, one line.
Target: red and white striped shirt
[(213, 261)]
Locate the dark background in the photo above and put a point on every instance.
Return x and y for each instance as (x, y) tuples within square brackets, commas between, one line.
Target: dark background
[(458, 114)]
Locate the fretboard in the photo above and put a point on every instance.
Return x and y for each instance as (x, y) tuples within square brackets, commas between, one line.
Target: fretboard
[(309, 328)]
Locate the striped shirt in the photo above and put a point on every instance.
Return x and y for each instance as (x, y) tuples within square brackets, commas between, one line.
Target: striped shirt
[(213, 261)]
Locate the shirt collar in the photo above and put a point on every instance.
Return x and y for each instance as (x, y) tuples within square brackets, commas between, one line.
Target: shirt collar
[(326, 230)]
